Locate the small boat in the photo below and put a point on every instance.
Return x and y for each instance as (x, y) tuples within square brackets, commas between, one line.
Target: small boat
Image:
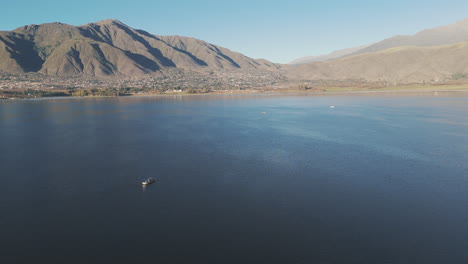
[(332, 106), (148, 181)]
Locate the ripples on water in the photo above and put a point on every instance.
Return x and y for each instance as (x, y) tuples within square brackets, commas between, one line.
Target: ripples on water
[(240, 179)]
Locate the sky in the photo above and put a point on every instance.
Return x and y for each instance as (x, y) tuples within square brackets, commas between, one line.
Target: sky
[(279, 31)]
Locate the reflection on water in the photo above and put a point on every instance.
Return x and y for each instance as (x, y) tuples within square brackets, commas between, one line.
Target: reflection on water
[(260, 179)]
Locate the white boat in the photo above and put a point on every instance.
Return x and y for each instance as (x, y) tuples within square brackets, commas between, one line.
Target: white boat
[(148, 181)]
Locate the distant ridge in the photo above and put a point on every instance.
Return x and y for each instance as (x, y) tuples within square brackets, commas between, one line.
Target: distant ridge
[(443, 35), (110, 48), (431, 55), (334, 55), (408, 64)]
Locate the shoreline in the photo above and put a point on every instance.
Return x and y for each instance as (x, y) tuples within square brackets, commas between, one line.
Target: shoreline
[(284, 92)]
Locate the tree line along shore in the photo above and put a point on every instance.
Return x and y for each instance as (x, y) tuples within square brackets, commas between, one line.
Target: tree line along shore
[(297, 88)]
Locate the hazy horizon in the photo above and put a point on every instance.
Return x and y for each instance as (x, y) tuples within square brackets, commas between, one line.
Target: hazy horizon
[(279, 32)]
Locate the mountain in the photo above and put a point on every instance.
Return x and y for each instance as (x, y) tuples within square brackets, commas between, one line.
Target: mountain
[(450, 34), (444, 35), (400, 65), (430, 55), (110, 48), (334, 55)]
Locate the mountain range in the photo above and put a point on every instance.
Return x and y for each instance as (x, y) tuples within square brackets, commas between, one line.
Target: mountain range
[(450, 34), (110, 48), (431, 55), (334, 55), (407, 64)]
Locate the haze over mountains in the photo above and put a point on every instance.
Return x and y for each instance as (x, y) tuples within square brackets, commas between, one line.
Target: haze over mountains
[(334, 55), (111, 48), (450, 34), (399, 65), (428, 56)]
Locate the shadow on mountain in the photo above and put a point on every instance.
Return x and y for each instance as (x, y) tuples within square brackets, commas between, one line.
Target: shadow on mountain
[(193, 57), (153, 51), (215, 49), (109, 68), (24, 52), (197, 60), (76, 56), (146, 34), (143, 61), (92, 34)]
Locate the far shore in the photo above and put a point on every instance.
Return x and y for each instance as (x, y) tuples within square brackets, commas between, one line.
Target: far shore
[(407, 90)]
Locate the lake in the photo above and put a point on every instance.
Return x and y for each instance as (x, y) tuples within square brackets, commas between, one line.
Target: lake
[(239, 179)]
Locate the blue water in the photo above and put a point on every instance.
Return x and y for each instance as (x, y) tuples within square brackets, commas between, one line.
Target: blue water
[(378, 179)]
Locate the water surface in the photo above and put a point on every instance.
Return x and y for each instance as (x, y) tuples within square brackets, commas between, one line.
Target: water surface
[(378, 179)]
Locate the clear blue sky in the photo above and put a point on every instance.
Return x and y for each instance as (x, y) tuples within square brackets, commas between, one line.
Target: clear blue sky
[(279, 31)]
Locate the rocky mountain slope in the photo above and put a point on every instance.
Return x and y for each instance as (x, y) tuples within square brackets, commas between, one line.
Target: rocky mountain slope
[(110, 48)]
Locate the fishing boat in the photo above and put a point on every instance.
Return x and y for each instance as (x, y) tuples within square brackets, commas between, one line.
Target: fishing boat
[(148, 181)]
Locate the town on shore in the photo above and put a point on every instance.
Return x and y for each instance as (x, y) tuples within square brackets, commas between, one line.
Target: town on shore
[(34, 85)]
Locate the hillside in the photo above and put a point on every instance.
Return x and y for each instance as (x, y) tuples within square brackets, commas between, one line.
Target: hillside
[(110, 48), (444, 35), (400, 65), (333, 55)]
